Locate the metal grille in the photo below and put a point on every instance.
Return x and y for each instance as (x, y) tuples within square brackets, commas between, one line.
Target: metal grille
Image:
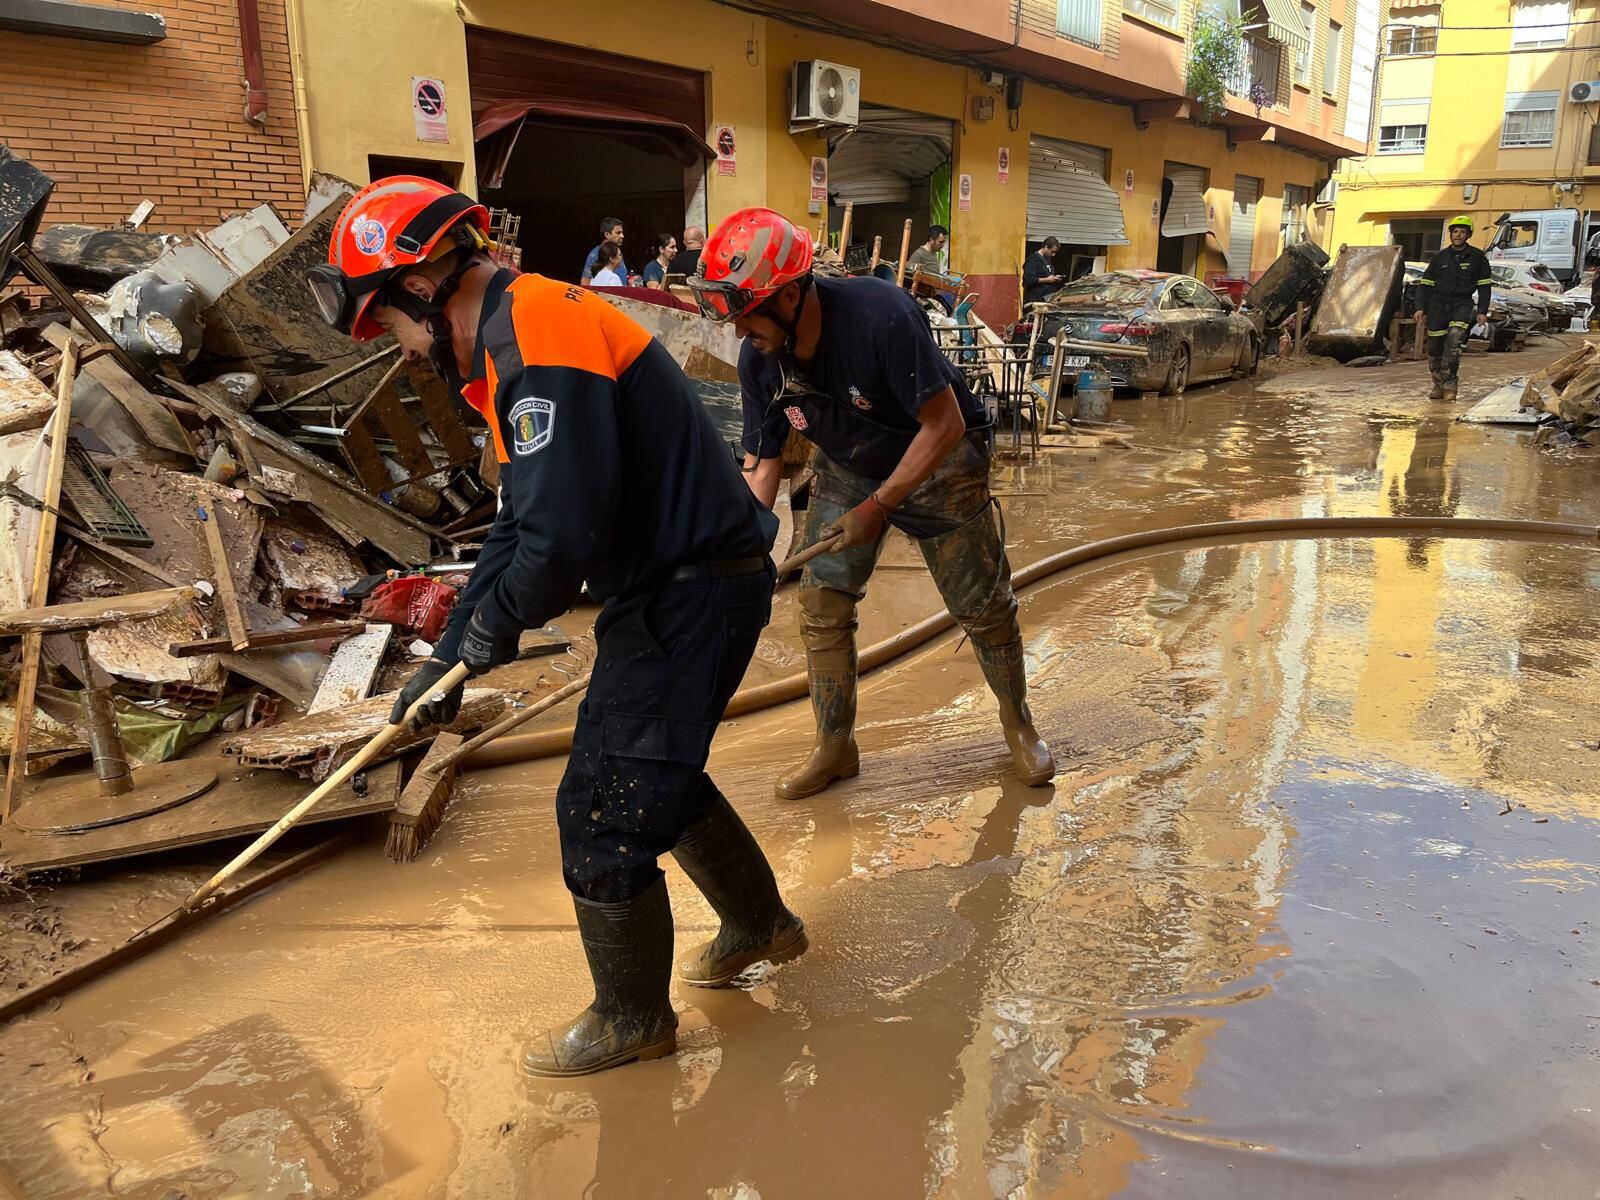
[(99, 508)]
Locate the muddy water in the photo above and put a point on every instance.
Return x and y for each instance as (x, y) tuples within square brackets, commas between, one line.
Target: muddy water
[(1310, 910)]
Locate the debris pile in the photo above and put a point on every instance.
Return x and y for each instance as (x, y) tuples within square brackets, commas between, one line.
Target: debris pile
[(217, 514), (1568, 392)]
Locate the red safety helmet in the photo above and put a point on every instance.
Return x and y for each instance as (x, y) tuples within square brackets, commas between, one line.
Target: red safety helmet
[(389, 225), (751, 255)]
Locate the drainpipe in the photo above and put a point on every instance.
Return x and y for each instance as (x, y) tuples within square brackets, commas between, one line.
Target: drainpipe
[(295, 21), (255, 71)]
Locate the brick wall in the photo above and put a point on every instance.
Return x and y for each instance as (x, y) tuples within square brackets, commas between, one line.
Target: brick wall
[(116, 124)]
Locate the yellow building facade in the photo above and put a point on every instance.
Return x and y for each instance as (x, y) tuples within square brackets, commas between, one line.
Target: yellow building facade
[(1114, 89), (1475, 114)]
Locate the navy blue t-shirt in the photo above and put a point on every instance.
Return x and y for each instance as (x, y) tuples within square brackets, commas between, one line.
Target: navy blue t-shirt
[(876, 365)]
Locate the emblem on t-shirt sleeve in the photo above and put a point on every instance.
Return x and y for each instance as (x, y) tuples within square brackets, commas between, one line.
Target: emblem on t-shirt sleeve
[(859, 400), (532, 422), (796, 417)]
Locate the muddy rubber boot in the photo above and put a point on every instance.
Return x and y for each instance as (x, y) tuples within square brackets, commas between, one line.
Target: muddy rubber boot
[(1003, 668), (1449, 392), (629, 947), (1438, 390), (721, 856), (827, 626)]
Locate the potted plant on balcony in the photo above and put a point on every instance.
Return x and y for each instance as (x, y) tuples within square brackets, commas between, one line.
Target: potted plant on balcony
[(1217, 60)]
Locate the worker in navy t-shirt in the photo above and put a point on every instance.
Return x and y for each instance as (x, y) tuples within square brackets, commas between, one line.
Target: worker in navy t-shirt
[(852, 365)]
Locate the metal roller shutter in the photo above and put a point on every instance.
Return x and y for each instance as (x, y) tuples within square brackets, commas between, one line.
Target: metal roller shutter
[(1186, 211), (877, 162), (1068, 197), (1242, 226)]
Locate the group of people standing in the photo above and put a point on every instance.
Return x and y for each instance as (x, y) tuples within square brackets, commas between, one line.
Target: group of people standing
[(606, 267), (614, 480)]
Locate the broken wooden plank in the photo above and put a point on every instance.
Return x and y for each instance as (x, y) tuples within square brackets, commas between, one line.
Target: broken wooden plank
[(444, 419), (317, 745), (402, 537), (39, 590), (227, 594), (360, 451), (263, 639), (88, 614), (352, 670), (121, 556), (241, 804), (149, 411), (25, 402)]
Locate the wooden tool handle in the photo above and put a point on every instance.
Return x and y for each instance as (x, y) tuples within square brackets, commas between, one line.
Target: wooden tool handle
[(825, 546), (877, 253), (507, 723), (844, 228), (905, 252), (454, 676)]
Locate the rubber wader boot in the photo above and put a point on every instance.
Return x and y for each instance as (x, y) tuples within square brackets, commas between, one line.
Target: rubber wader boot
[(719, 854), (1003, 668), (1438, 388), (827, 626), (1449, 391), (629, 947)]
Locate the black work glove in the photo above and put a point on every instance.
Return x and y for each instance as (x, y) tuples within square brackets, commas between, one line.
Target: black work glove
[(483, 651), (437, 710)]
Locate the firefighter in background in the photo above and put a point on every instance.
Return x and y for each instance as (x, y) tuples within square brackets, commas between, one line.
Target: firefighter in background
[(1453, 276)]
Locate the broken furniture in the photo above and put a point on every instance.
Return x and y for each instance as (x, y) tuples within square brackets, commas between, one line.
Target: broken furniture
[(1360, 298), (118, 792)]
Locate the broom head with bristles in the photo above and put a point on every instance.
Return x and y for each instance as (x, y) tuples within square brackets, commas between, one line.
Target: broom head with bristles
[(421, 809)]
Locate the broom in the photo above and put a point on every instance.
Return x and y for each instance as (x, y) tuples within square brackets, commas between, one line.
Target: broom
[(420, 812)]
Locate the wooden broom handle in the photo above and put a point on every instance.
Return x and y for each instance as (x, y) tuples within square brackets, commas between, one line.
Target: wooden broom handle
[(454, 676), (905, 251)]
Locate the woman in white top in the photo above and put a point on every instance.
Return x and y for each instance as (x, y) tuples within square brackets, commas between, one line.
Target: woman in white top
[(606, 267)]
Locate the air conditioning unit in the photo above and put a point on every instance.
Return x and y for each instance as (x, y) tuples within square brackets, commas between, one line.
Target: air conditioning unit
[(1585, 92), (824, 93)]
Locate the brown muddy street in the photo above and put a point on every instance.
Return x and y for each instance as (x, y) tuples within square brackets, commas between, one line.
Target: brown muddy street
[(1310, 911)]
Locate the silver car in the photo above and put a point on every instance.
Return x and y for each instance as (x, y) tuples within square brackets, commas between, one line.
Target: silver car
[(1191, 333)]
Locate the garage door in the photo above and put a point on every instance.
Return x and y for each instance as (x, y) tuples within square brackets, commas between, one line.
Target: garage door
[(1068, 197), (1242, 227), (1186, 211), (877, 162)]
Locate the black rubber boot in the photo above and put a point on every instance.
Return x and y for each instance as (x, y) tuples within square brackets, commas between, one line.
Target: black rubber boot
[(722, 858), (629, 947), (1003, 668)]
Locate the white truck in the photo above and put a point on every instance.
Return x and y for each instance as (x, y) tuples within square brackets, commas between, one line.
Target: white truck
[(1551, 236)]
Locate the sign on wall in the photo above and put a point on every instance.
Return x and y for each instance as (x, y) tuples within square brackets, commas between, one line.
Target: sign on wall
[(1127, 182), (1005, 163), (964, 194), (726, 145), (427, 109), (819, 184)]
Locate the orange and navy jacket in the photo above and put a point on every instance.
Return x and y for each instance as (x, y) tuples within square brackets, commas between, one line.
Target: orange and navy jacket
[(611, 470)]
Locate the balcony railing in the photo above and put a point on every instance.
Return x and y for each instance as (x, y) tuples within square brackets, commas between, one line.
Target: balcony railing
[(1257, 77)]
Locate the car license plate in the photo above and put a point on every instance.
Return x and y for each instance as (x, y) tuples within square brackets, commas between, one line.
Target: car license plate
[(1075, 360)]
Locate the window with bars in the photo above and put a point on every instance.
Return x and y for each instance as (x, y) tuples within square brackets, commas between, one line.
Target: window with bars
[(1530, 120), (1412, 39), (1402, 139)]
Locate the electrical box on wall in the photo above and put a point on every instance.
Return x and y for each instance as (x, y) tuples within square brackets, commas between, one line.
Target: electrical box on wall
[(983, 108)]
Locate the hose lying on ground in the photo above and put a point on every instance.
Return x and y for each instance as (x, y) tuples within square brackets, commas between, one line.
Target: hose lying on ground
[(548, 743)]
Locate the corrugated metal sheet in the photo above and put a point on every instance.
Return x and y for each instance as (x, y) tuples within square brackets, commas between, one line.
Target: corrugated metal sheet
[(891, 149), (1186, 211), (1068, 197), (1242, 226)]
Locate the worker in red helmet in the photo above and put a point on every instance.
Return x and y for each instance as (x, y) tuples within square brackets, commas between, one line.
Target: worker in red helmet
[(851, 364), (611, 472)]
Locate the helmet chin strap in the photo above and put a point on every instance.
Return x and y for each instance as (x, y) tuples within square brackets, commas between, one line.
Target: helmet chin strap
[(788, 326), (430, 312)]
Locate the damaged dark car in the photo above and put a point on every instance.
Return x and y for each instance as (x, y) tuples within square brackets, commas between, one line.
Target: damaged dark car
[(1192, 334)]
